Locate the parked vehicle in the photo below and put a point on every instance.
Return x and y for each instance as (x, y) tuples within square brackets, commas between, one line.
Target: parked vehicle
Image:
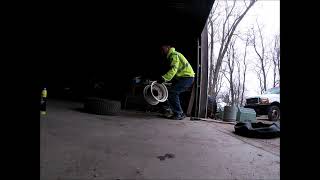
[(267, 103)]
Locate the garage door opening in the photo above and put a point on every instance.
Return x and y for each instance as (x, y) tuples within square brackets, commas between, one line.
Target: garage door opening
[(96, 52)]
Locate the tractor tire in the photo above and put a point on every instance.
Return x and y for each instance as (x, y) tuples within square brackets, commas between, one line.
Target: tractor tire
[(274, 113), (258, 130), (102, 106)]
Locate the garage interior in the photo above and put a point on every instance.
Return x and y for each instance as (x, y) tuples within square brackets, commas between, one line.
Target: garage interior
[(114, 43), (89, 44)]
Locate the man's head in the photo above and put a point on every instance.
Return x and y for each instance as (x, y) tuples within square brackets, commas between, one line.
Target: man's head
[(165, 49)]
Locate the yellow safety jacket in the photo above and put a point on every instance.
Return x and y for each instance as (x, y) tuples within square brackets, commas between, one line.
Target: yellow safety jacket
[(180, 67)]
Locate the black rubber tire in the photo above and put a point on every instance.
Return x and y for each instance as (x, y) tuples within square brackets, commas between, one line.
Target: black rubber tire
[(102, 106), (272, 117), (258, 130)]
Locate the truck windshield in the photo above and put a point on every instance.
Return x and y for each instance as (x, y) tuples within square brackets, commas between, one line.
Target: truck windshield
[(275, 90)]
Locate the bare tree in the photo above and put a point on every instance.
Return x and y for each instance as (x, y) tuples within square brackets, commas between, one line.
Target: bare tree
[(211, 65), (235, 73), (274, 72), (219, 83), (259, 49), (229, 25), (231, 58), (278, 55), (276, 59), (258, 72), (211, 24), (238, 85), (244, 70)]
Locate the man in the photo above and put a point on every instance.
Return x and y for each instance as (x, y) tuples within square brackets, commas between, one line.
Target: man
[(181, 75)]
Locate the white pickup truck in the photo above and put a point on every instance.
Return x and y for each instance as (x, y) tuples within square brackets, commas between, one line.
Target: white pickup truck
[(267, 103)]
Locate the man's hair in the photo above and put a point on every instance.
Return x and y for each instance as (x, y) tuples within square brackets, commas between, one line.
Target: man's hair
[(166, 45), (170, 43)]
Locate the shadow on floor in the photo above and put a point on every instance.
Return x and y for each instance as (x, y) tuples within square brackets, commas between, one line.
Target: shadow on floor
[(255, 136), (80, 109), (132, 114)]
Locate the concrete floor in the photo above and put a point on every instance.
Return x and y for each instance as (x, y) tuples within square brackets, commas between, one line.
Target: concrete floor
[(77, 145)]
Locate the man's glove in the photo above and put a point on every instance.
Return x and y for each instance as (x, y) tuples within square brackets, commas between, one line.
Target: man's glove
[(160, 80)]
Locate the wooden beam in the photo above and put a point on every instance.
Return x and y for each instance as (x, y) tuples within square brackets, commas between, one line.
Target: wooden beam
[(191, 101), (203, 97)]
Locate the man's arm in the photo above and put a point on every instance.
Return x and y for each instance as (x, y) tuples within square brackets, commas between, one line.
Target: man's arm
[(174, 68)]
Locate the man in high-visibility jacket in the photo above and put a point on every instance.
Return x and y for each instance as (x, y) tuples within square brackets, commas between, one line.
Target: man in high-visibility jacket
[(181, 75)]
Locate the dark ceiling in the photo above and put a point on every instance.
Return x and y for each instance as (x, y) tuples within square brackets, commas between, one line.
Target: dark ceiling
[(176, 17)]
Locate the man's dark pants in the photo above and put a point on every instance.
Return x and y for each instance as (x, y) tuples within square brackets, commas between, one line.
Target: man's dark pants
[(178, 86)]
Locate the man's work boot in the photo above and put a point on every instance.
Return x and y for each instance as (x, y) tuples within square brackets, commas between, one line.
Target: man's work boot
[(178, 117), (168, 113)]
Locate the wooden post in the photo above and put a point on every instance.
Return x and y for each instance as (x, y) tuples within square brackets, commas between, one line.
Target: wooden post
[(191, 101)]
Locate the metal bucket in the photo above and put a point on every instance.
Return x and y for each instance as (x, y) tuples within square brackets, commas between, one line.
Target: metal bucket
[(230, 113)]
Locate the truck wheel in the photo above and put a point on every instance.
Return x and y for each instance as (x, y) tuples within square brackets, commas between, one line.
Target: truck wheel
[(274, 113)]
